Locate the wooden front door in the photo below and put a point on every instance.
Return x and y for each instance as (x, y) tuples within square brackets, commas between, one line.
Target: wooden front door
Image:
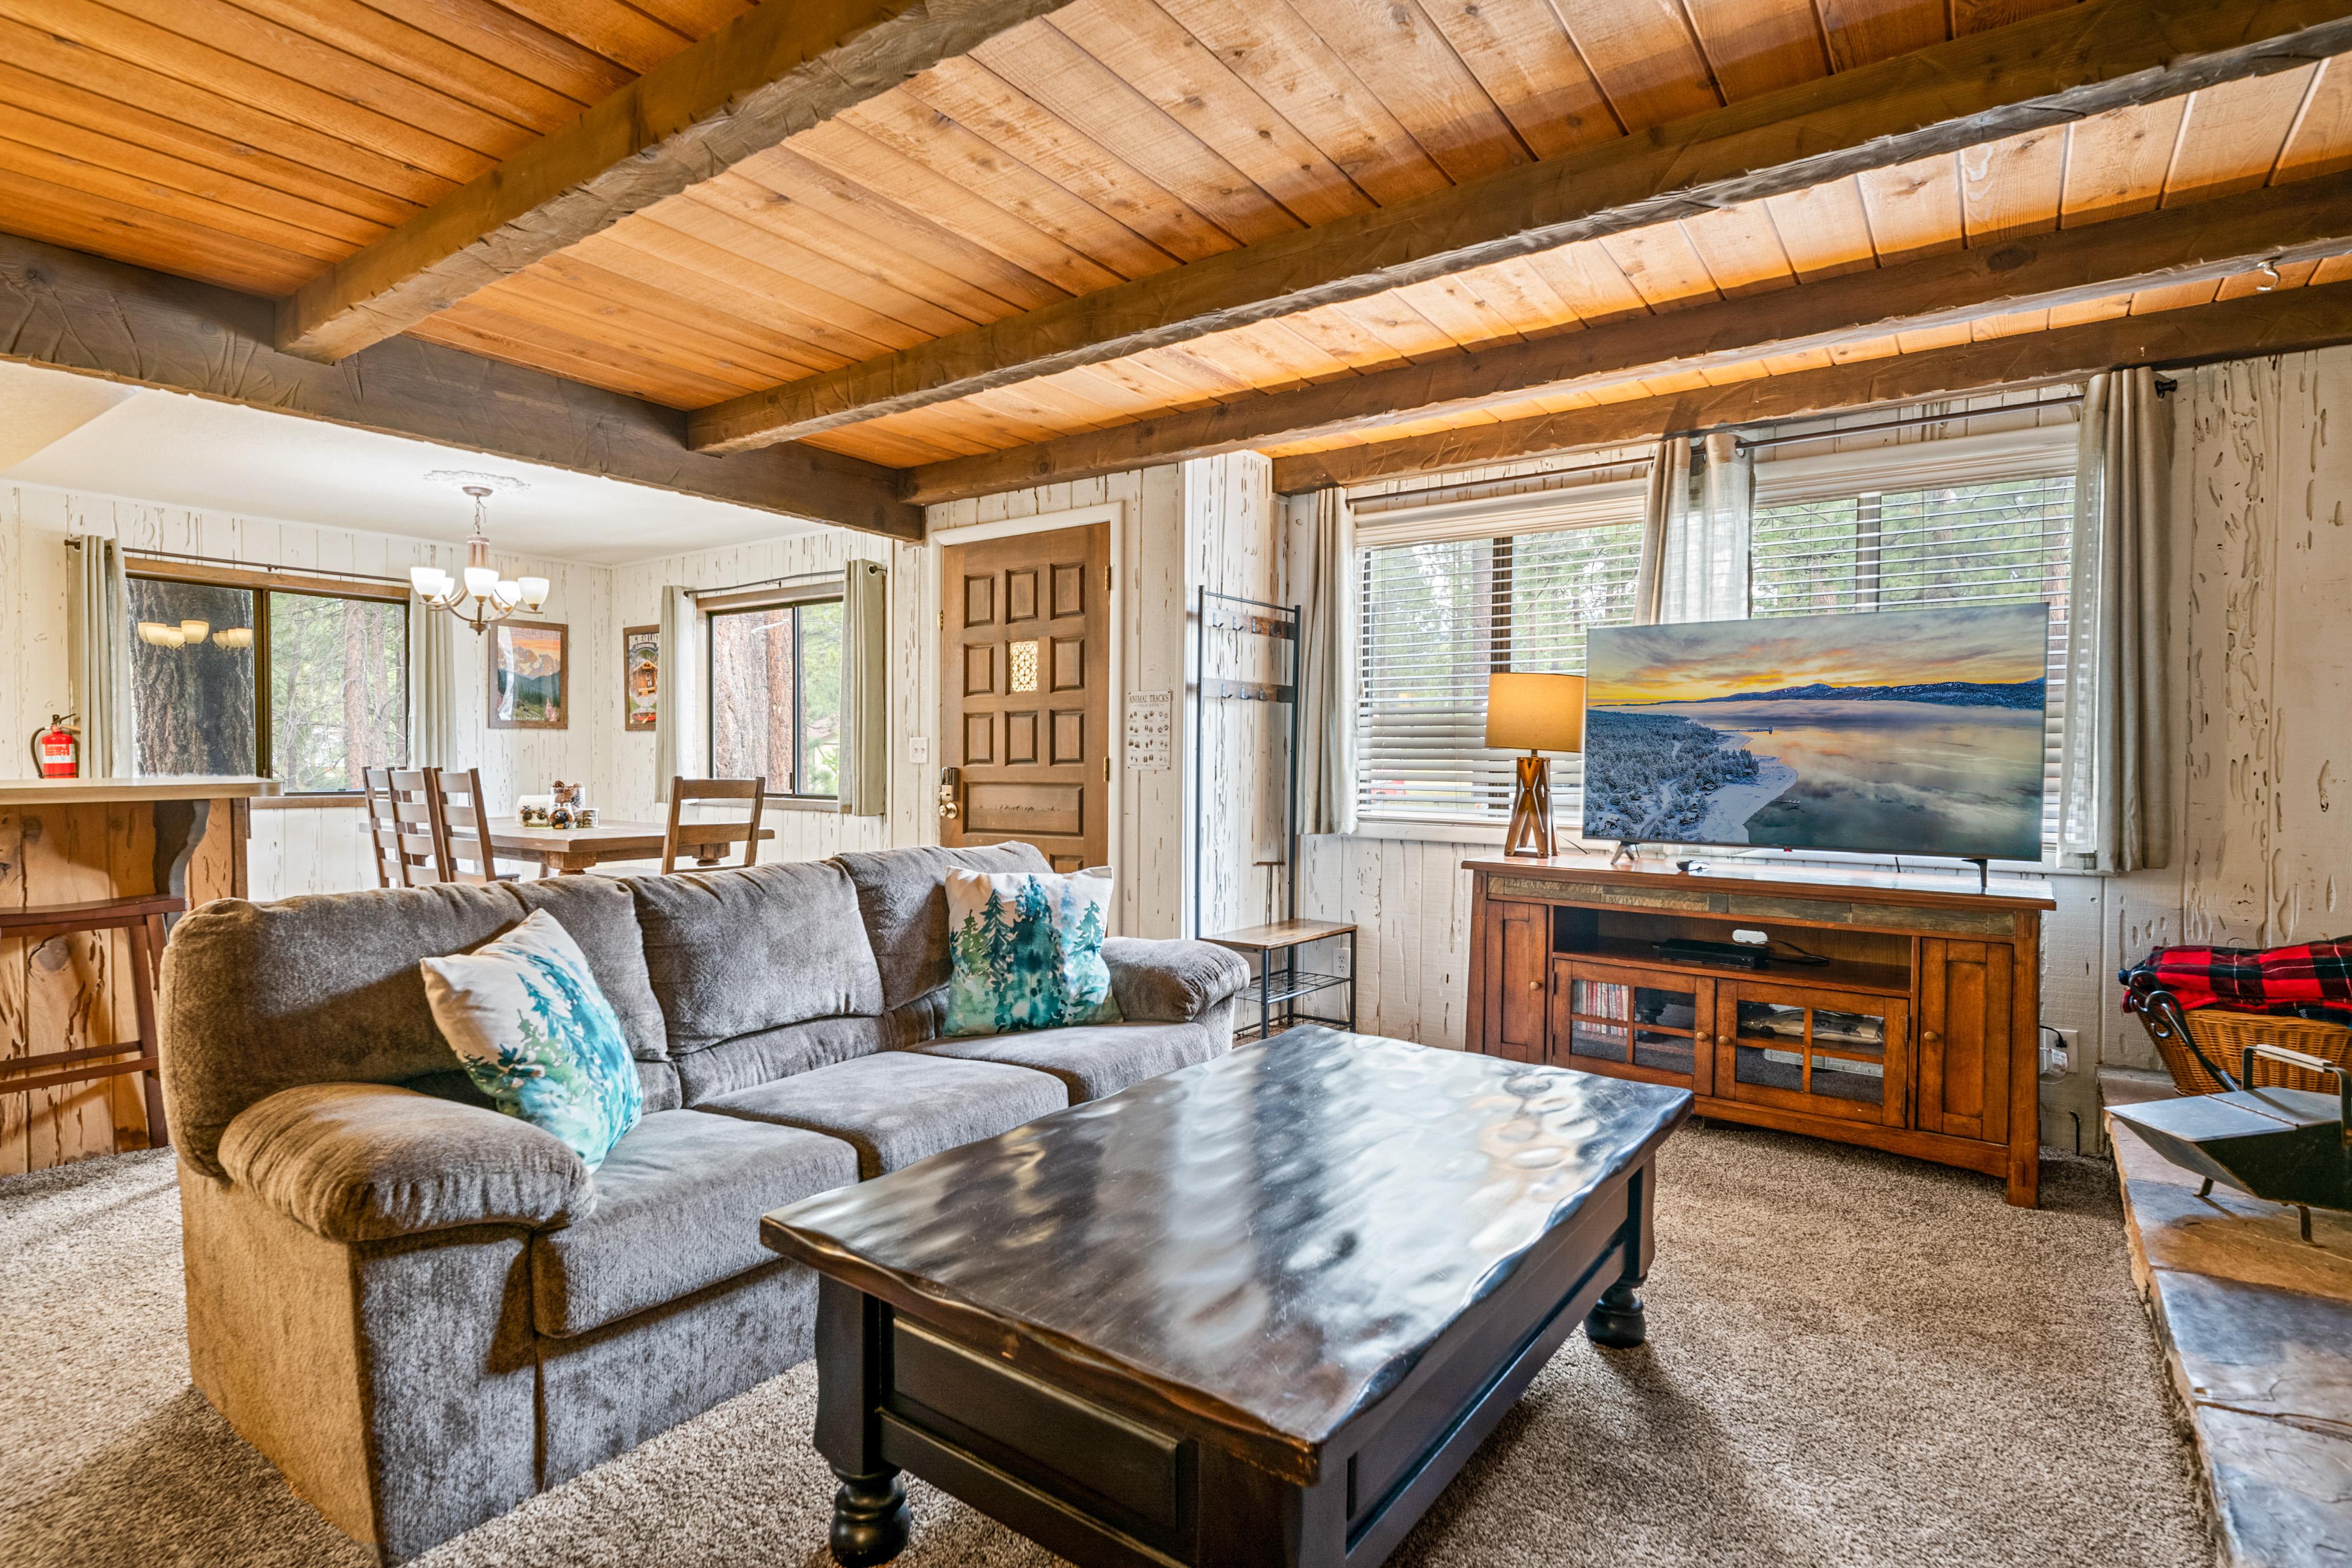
[(1025, 677)]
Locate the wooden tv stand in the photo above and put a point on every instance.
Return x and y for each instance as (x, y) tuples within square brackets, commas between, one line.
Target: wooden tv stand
[(1919, 1035)]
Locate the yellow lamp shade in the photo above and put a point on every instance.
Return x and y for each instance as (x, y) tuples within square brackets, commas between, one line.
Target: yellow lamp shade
[(1535, 712)]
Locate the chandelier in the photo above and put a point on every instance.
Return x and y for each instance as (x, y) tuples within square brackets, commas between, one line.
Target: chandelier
[(480, 596)]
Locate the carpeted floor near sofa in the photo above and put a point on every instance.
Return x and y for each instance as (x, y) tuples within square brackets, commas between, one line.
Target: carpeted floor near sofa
[(1853, 1360)]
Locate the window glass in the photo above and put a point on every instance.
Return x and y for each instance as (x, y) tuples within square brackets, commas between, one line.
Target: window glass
[(338, 675), (775, 696), (308, 689), (193, 692), (2005, 541), (1438, 618)]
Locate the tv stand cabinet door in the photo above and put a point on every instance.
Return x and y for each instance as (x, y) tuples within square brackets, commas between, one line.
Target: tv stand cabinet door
[(1967, 1037), (1518, 970)]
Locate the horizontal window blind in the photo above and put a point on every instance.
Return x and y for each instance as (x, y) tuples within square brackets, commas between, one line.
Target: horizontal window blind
[(2005, 541), (1441, 615)]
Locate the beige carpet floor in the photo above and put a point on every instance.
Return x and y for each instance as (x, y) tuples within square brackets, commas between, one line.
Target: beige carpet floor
[(1853, 1360)]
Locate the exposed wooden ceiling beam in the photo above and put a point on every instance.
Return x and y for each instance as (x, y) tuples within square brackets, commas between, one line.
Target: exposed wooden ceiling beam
[(2052, 70), (82, 313), (2285, 322), (2180, 245), (776, 70)]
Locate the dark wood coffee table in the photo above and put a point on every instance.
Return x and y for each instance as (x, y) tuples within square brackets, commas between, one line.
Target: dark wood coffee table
[(1259, 1311)]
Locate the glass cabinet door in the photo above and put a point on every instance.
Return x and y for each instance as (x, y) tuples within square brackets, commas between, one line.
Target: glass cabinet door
[(1823, 1052), (1634, 1023)]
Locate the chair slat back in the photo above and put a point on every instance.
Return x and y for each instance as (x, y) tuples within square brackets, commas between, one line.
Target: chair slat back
[(411, 836), (709, 835), (464, 823), (383, 837)]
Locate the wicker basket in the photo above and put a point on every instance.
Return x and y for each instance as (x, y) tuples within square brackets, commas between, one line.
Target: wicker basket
[(2223, 1035)]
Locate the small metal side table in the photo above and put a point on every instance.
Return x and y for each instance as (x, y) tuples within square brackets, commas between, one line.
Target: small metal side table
[(1279, 986)]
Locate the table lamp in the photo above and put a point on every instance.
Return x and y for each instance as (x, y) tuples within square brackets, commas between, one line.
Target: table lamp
[(1536, 713)]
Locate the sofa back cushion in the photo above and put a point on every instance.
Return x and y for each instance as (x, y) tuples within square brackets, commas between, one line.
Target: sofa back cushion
[(260, 997), (745, 951), (263, 997), (599, 914), (902, 897)]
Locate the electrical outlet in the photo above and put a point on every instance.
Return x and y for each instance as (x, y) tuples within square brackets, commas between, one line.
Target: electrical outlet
[(918, 749), (2057, 1052)]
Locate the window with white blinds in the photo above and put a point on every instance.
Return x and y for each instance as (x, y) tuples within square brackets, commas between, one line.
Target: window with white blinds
[(1986, 542), (1439, 616)]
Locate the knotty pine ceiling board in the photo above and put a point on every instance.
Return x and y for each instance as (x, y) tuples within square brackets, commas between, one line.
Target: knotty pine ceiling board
[(1120, 137), (2024, 184), (253, 142)]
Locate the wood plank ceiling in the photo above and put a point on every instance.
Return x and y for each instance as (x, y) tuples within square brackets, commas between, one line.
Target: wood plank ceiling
[(252, 143)]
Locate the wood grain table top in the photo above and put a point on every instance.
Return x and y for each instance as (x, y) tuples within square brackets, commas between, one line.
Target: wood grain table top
[(1269, 1240), (616, 840)]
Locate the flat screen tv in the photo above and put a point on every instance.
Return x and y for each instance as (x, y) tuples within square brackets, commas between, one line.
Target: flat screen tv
[(1908, 733)]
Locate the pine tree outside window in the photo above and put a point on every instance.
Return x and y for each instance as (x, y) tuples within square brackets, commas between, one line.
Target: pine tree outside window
[(301, 680)]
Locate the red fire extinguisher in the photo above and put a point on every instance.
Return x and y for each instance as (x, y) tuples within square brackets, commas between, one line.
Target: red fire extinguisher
[(57, 751)]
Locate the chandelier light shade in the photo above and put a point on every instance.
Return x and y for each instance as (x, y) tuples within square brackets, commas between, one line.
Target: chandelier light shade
[(195, 631), (233, 637), (480, 596)]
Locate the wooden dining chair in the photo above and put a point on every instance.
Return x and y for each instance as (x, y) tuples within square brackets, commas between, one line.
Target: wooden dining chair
[(383, 823), (709, 835), (462, 818), (404, 826)]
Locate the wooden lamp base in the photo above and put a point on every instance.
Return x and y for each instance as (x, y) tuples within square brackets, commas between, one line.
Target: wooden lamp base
[(1530, 831)]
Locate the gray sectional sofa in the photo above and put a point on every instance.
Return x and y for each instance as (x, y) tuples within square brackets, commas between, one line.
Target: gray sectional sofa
[(425, 1312)]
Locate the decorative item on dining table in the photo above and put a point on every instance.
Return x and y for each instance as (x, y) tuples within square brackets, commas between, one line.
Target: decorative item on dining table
[(1536, 713)]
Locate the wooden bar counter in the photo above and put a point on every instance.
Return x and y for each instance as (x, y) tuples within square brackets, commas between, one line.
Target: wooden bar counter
[(69, 841)]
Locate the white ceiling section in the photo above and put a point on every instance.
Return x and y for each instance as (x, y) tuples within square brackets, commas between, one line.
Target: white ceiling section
[(77, 433)]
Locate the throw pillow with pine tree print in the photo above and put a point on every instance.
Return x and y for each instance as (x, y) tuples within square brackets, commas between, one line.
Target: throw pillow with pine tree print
[(1026, 950), (534, 1031)]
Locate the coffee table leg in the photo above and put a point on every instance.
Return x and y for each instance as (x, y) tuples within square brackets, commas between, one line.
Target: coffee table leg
[(1616, 1319), (870, 1519)]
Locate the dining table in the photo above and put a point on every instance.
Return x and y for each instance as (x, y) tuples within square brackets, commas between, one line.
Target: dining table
[(558, 850)]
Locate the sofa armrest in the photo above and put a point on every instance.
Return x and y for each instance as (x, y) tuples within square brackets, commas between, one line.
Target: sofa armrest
[(364, 1162), (1171, 982)]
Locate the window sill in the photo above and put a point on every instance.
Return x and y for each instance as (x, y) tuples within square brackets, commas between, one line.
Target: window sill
[(308, 802), (827, 805)]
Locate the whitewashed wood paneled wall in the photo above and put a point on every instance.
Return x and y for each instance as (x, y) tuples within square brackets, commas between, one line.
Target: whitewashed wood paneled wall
[(301, 850)]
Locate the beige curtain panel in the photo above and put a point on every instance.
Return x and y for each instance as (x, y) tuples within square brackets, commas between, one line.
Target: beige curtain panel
[(1327, 714), (99, 661), (432, 685), (2117, 794), (865, 690), (1668, 495), (679, 736)]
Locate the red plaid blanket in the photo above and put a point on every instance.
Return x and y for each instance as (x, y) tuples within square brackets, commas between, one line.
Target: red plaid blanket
[(2252, 979)]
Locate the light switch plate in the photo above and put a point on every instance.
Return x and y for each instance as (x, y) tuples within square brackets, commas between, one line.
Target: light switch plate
[(918, 749)]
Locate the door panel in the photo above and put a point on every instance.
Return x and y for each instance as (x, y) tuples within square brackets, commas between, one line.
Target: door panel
[(1653, 1024), (1965, 1038), (1518, 953), (1027, 720), (1828, 1053)]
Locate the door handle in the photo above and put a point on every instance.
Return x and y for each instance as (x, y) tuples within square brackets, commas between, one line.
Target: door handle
[(951, 781)]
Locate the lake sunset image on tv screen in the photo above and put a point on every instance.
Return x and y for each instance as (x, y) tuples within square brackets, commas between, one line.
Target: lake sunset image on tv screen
[(1910, 732)]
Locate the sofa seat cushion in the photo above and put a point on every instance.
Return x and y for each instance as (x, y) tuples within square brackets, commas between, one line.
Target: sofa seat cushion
[(678, 1202), (1092, 1059), (901, 1105)]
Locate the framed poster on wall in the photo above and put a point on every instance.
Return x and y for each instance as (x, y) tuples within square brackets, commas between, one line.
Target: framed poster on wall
[(530, 676), (640, 676)]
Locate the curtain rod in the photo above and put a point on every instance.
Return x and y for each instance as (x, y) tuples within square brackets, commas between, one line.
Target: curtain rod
[(1636, 462), (73, 542), (809, 578), (1747, 444)]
